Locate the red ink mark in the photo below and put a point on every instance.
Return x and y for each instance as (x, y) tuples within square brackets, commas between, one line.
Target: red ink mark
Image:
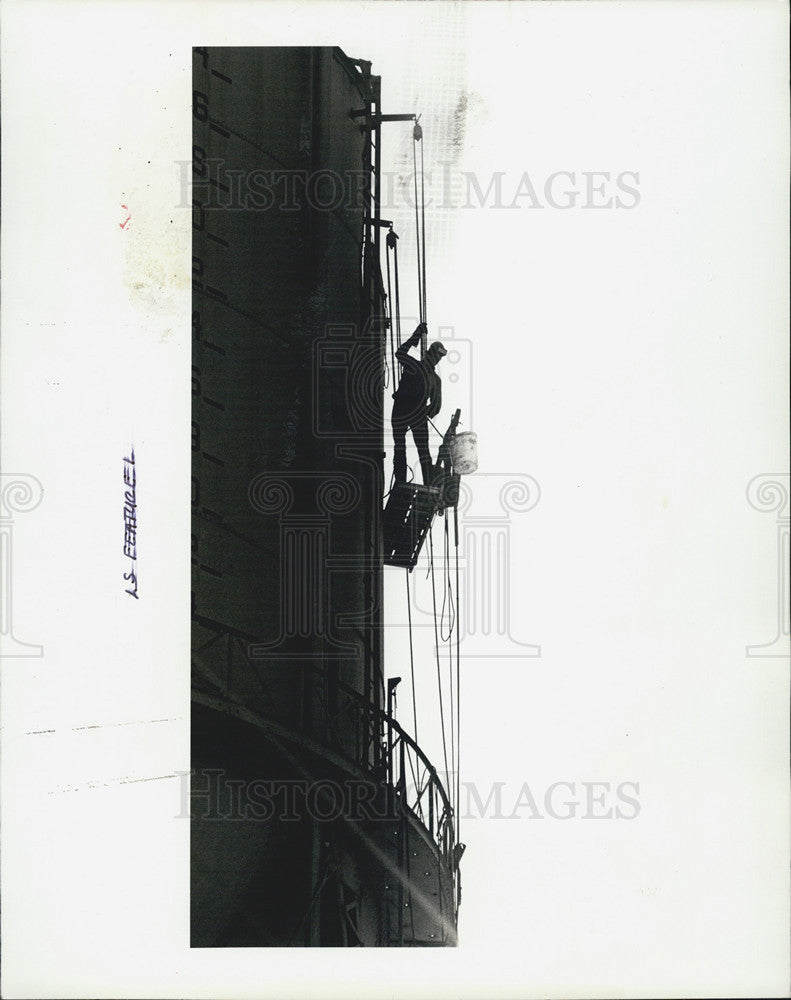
[(124, 224)]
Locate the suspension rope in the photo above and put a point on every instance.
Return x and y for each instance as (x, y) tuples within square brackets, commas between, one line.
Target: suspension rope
[(386, 382), (384, 299), (416, 132), (423, 225), (397, 291), (395, 320), (454, 755), (458, 679), (389, 312), (436, 650), (447, 592), (446, 585), (411, 652)]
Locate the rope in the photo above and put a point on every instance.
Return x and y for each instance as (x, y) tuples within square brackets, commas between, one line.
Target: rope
[(411, 654), (398, 294), (458, 682), (436, 650), (389, 311), (390, 486), (395, 321), (384, 299), (446, 585), (435, 427), (423, 225), (415, 134), (447, 592)]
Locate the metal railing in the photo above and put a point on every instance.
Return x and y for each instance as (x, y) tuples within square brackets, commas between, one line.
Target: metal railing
[(307, 699), (383, 749)]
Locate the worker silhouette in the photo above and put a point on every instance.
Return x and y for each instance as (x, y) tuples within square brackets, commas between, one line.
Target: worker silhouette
[(418, 397)]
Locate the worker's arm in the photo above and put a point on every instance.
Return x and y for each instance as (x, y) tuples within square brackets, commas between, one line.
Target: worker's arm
[(403, 351)]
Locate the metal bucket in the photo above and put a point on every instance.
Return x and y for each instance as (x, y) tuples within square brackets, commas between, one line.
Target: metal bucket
[(464, 452)]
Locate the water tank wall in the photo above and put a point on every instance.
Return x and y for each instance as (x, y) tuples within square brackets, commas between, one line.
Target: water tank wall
[(287, 413)]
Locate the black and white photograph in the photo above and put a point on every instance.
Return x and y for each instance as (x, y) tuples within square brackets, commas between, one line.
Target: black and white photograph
[(317, 819), (394, 500)]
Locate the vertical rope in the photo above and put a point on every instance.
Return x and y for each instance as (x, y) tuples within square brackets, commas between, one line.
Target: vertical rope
[(458, 678), (389, 312), (397, 295), (423, 228), (411, 652), (417, 132), (436, 649), (446, 584)]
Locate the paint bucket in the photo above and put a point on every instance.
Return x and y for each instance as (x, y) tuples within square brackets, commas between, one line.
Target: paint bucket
[(464, 452)]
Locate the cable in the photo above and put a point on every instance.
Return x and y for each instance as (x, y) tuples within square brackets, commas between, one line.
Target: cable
[(423, 225), (447, 593), (389, 310), (446, 587), (436, 650), (417, 133), (397, 293), (390, 486), (436, 428), (458, 679), (411, 652)]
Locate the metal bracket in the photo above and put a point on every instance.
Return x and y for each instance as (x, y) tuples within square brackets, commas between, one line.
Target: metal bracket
[(375, 120)]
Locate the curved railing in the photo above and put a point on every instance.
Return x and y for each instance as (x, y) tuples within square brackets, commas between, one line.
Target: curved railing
[(336, 716), (393, 757)]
